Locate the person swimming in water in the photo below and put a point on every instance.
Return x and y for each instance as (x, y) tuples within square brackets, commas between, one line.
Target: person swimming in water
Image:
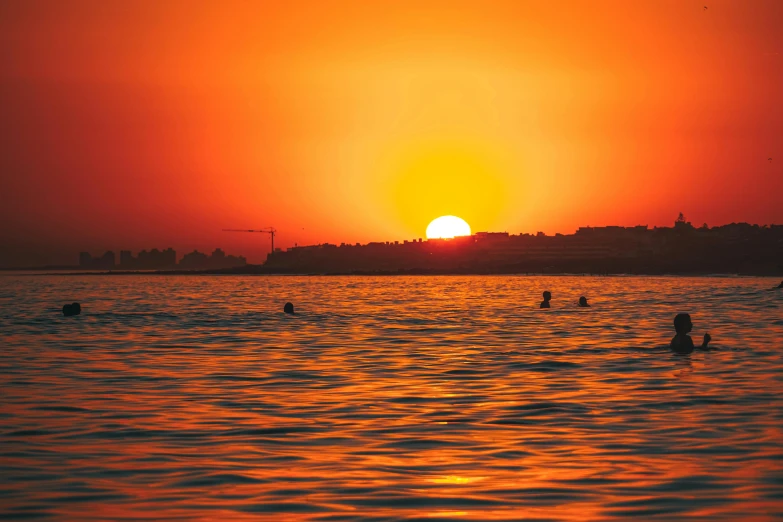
[(682, 344), (72, 309), (547, 298), (583, 302)]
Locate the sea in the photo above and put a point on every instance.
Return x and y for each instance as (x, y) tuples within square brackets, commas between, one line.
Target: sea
[(389, 398)]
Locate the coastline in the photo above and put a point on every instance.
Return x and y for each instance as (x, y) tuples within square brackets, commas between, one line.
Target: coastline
[(257, 270)]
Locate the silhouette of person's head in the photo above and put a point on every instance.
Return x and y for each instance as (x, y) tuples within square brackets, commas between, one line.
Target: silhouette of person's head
[(288, 308), (683, 324), (583, 301), (72, 309), (547, 296), (780, 285)]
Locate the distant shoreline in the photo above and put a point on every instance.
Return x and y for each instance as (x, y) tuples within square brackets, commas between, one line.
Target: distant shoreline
[(257, 270), (733, 249)]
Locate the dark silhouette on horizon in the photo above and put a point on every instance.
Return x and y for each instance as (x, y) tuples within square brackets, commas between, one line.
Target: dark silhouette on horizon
[(547, 298), (288, 308), (218, 260), (583, 302), (152, 260), (161, 260), (738, 248), (106, 262), (72, 309), (682, 344)]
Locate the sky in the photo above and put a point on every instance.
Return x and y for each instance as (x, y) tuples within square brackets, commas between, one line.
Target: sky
[(149, 124)]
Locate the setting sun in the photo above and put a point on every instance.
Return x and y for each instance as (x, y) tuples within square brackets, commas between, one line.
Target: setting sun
[(446, 227)]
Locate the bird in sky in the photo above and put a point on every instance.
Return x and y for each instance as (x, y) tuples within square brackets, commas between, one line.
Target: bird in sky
[(769, 159), (705, 7)]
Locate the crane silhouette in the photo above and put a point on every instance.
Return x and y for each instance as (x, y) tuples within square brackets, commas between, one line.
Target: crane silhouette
[(266, 230)]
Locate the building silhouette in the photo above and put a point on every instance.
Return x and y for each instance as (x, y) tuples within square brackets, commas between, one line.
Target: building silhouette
[(153, 260), (161, 260), (218, 260), (104, 262), (194, 261), (126, 259)]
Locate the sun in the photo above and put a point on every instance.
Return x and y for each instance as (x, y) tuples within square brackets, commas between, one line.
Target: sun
[(446, 227)]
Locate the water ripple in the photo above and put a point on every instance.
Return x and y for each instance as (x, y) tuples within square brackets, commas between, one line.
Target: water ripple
[(416, 398)]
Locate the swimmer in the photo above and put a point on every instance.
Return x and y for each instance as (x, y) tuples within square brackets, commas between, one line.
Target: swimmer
[(545, 302), (72, 309), (682, 344), (288, 308), (583, 302)]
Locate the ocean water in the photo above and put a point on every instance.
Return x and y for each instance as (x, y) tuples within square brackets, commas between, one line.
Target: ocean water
[(388, 398)]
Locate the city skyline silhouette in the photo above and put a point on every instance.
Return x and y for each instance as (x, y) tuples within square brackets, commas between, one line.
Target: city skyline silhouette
[(736, 248)]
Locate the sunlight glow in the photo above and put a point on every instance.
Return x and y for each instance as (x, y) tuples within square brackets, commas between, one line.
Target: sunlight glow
[(446, 227)]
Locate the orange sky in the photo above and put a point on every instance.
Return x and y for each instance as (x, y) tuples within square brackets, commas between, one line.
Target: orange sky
[(153, 124)]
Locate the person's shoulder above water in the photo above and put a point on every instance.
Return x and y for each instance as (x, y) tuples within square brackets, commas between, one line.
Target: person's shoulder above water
[(682, 344)]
